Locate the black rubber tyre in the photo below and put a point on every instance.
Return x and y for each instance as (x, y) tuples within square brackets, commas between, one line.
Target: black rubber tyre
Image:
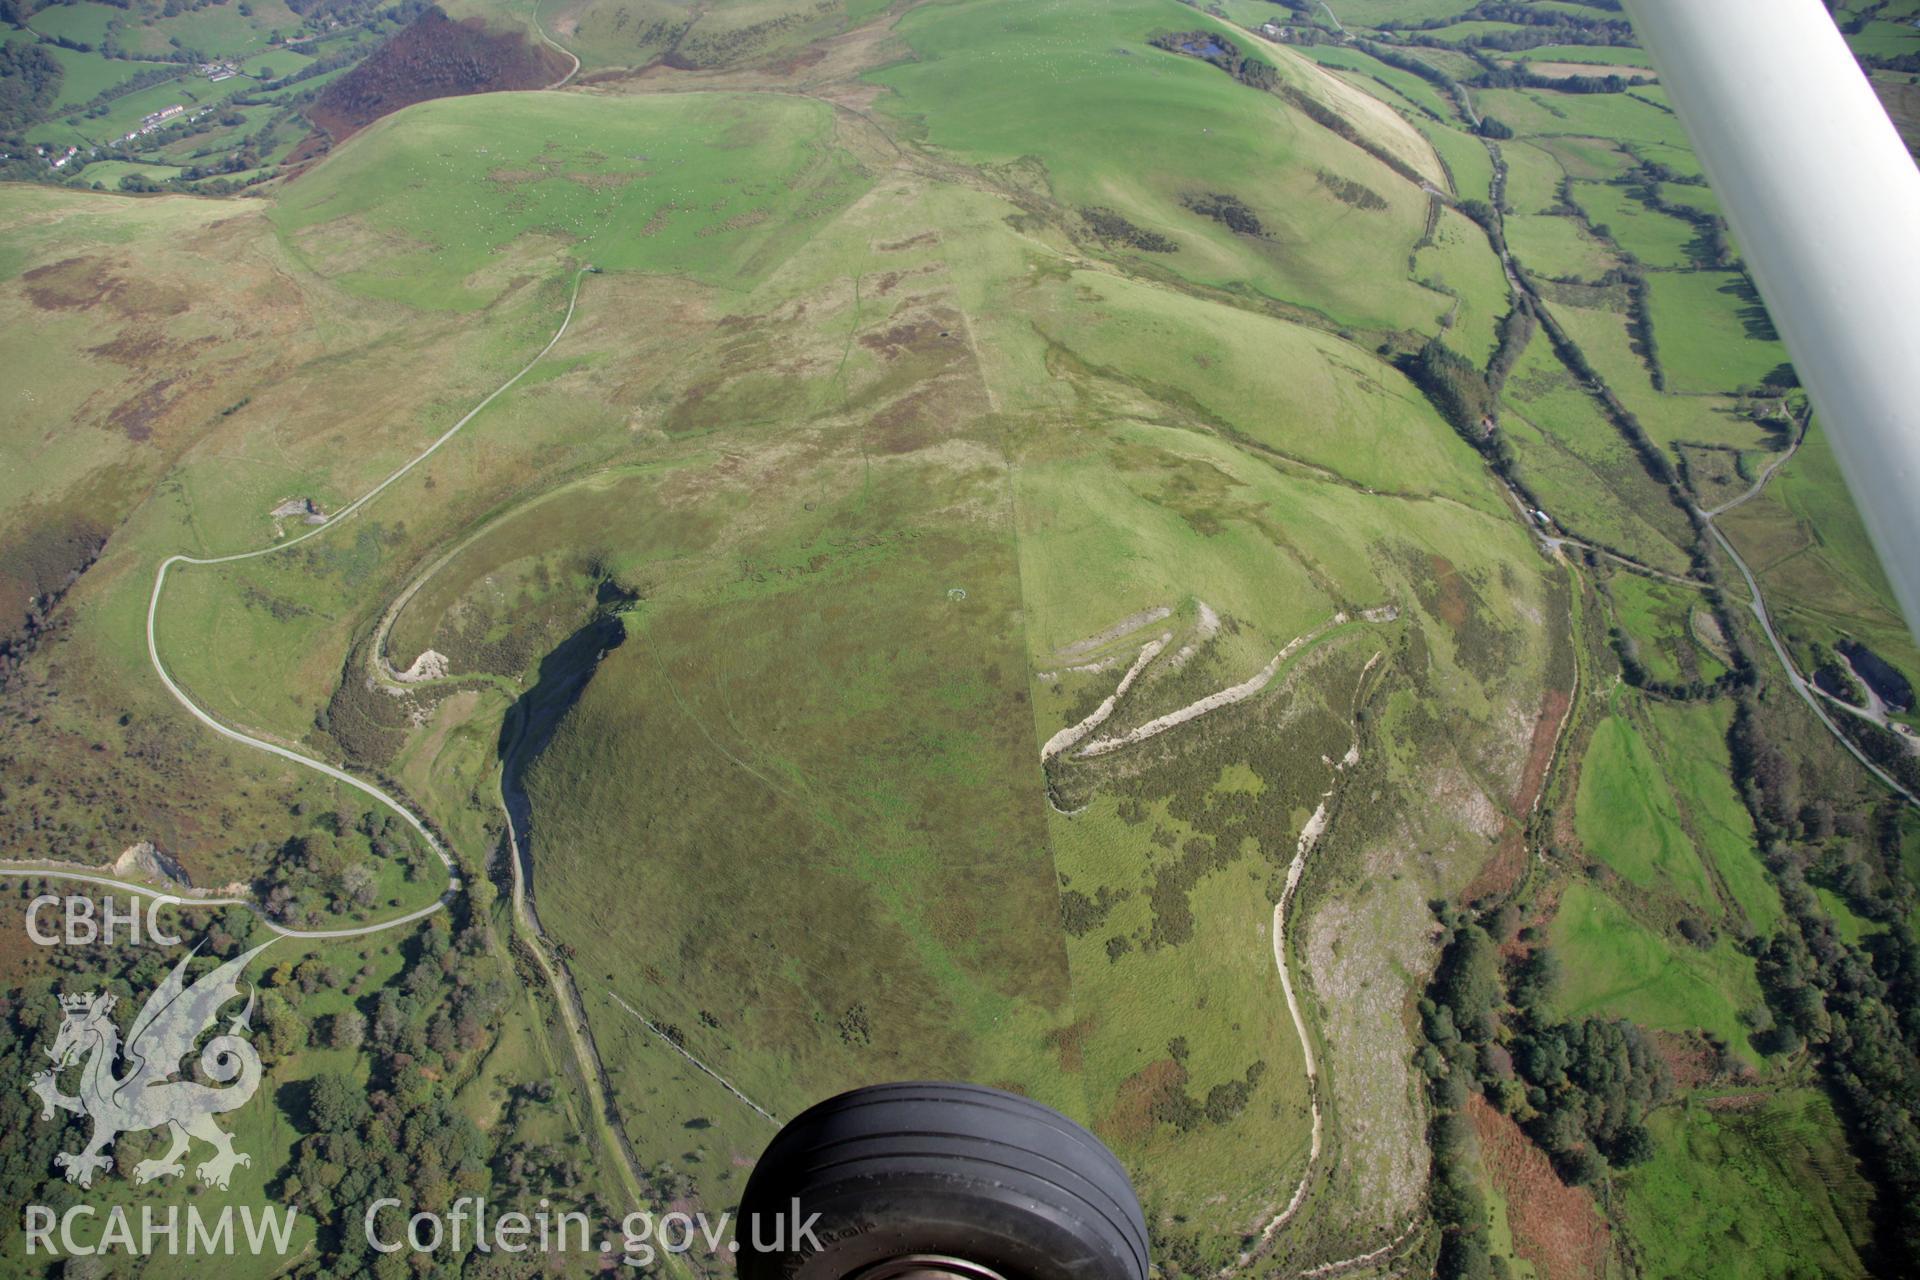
[(948, 1171)]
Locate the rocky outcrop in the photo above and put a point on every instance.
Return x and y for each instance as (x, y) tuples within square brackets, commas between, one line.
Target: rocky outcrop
[(144, 861)]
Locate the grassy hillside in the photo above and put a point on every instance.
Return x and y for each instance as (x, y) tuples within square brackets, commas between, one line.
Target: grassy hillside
[(686, 35), (1000, 83), (517, 185), (975, 566)]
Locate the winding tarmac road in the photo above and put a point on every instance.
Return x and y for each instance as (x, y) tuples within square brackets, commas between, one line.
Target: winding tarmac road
[(587, 1059), (320, 766), (1757, 603), (1756, 600), (39, 871)]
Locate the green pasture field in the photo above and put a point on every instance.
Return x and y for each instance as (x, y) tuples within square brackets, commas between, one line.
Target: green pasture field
[(1558, 247), (1620, 55), (1096, 549), (1574, 494), (218, 31), (1460, 32), (1713, 331), (1459, 65), (1695, 196), (1886, 39), (1619, 504), (1001, 82), (1571, 8), (1587, 159), (85, 76), (1626, 817), (1379, 13), (1759, 1189), (1676, 156), (86, 21), (1691, 742), (1461, 262), (1626, 71), (1386, 94), (109, 172), (1670, 419), (717, 185), (1657, 239), (276, 63), (1617, 967), (1533, 178), (218, 141), (1654, 614), (1623, 117), (311, 84), (1600, 331), (1696, 419), (1250, 13), (1466, 160), (1803, 537)]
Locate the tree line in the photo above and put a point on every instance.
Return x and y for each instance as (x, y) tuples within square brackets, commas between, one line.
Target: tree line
[(1581, 1089), (1855, 1009), (29, 84), (1525, 78)]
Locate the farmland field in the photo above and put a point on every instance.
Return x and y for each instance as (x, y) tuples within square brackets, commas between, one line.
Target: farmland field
[(1457, 262), (88, 75), (1559, 247), (1628, 820), (1717, 334), (1775, 1177), (1620, 967), (1657, 239), (1694, 753), (1657, 619)]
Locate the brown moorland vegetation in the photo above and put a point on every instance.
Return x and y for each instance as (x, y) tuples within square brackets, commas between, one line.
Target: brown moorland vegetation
[(436, 57)]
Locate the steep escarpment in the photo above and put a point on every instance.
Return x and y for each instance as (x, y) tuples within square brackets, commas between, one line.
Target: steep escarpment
[(436, 57)]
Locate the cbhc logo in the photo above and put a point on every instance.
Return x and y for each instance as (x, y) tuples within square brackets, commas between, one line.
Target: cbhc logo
[(78, 922)]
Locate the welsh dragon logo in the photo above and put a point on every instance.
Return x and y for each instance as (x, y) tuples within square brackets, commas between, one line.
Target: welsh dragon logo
[(147, 1096)]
